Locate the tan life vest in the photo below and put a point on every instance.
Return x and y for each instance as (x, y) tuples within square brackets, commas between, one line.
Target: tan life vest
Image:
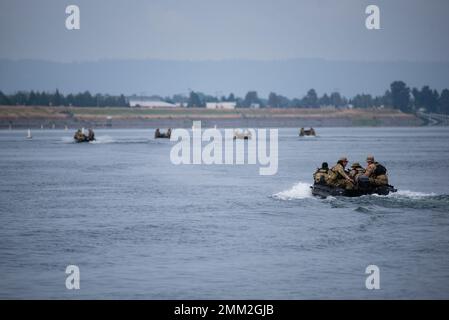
[(334, 175), (321, 173)]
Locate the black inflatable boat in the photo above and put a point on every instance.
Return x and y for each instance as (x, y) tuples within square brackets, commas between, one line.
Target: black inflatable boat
[(362, 187)]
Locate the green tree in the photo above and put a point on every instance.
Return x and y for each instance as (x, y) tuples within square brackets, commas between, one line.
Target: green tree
[(296, 103), (122, 101), (324, 100), (4, 100), (400, 96), (273, 100), (283, 102), (250, 99), (378, 101), (337, 100), (362, 101), (32, 99), (57, 99), (195, 101), (417, 100), (44, 99), (311, 99), (70, 99), (426, 98), (443, 102)]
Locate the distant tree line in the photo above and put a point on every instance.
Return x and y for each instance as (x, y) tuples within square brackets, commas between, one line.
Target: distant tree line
[(398, 96), (84, 99), (401, 97)]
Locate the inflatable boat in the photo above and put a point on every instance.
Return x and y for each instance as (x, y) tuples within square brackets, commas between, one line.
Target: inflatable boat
[(80, 136), (362, 187), (162, 135), (307, 132)]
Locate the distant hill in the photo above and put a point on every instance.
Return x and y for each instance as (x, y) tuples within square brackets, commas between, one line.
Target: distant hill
[(291, 78)]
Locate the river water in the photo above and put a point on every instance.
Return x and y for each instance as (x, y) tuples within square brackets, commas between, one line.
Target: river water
[(138, 226)]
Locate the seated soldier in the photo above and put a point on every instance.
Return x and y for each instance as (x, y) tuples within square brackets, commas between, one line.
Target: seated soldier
[(321, 174), (338, 176), (376, 172), (78, 135), (356, 171), (91, 135)]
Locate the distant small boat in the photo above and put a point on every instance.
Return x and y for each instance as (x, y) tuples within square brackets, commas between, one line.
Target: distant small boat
[(245, 135), (81, 137), (309, 132), (29, 136), (158, 134)]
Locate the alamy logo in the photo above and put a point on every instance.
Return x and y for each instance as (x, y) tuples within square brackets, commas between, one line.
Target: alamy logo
[(73, 280), (220, 150), (72, 22), (373, 280), (372, 22)]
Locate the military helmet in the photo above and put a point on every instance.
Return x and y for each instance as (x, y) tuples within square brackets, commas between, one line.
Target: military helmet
[(370, 158), (355, 165), (343, 159)]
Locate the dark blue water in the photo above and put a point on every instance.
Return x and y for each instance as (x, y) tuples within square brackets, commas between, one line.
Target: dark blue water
[(140, 227)]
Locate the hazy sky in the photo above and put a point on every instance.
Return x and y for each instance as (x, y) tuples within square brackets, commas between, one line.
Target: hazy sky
[(416, 30)]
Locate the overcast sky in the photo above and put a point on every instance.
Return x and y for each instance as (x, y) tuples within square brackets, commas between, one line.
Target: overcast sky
[(415, 30)]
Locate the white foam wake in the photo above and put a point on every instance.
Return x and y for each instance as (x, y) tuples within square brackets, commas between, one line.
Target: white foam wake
[(103, 139), (411, 194), (67, 140), (301, 190)]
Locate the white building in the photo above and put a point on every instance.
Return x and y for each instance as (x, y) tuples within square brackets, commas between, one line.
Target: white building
[(255, 105), (221, 105), (150, 104)]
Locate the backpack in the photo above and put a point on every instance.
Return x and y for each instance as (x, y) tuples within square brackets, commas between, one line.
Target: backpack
[(380, 170)]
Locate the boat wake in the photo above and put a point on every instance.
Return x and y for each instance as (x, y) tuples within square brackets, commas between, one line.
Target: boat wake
[(103, 139), (401, 199), (411, 194), (67, 140), (407, 199), (98, 140), (108, 140), (300, 190)]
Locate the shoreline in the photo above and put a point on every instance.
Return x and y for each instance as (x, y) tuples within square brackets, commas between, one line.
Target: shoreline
[(96, 117)]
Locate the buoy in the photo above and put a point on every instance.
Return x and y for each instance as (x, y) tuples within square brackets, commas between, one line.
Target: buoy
[(29, 136), (66, 128)]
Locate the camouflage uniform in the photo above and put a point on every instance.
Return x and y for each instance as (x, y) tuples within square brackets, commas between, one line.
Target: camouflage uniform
[(79, 136), (356, 171), (380, 180), (321, 175), (91, 135), (338, 176)]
